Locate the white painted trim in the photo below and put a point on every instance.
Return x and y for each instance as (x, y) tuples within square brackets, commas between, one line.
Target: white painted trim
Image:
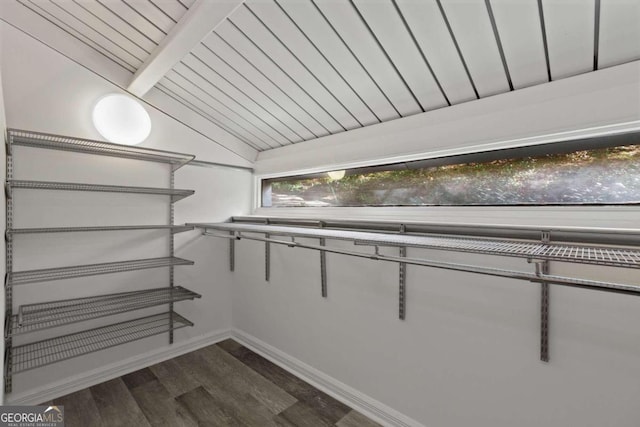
[(196, 24), (532, 216), (114, 370), (600, 100), (370, 407), (532, 141)]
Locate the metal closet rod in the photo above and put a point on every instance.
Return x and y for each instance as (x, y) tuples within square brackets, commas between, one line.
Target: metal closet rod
[(610, 236), (537, 277)]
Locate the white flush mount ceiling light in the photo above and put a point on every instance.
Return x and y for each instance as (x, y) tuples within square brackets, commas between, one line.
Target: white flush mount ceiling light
[(336, 175), (121, 119)]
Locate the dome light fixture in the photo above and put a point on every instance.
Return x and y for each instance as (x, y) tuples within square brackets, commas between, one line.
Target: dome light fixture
[(121, 119), (336, 175)]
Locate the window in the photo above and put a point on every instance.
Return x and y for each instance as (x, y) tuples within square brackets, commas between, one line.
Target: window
[(608, 175)]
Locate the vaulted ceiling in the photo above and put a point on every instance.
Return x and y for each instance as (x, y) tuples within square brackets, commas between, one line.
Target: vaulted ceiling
[(277, 72)]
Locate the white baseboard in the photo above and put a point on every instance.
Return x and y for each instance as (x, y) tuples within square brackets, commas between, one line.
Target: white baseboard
[(370, 407), (113, 370)]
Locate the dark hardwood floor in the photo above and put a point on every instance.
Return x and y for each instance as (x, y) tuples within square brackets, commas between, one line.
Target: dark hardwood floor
[(221, 385)]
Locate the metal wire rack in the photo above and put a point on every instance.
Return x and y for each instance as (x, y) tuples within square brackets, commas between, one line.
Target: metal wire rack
[(51, 314), (47, 274), (585, 254), (585, 246), (176, 194), (42, 353), (35, 317), (88, 146), (173, 228)]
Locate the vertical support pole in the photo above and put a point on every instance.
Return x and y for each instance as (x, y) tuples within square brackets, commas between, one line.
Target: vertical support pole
[(171, 254), (232, 253), (323, 265), (267, 256), (8, 286), (402, 287), (544, 306)]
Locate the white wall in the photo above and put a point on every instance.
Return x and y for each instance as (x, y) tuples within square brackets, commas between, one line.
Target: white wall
[(50, 93), (468, 352), (47, 92), (604, 98), (49, 35)]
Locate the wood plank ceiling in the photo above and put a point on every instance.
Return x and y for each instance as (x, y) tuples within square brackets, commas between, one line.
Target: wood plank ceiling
[(278, 72)]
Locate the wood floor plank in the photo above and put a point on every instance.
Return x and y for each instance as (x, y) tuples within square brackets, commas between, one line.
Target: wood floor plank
[(80, 409), (356, 419), (230, 345), (239, 404), (116, 405), (204, 408), (329, 408), (174, 379), (220, 385), (137, 378), (238, 376), (160, 408), (301, 415)]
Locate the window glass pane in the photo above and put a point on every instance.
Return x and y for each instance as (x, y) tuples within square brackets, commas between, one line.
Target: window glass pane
[(596, 176)]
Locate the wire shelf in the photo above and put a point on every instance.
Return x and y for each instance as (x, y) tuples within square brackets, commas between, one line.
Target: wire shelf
[(67, 143), (42, 353), (585, 254), (35, 317), (176, 194), (174, 229), (46, 274)]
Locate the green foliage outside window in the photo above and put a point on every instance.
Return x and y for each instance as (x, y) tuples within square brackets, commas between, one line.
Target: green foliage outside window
[(598, 176)]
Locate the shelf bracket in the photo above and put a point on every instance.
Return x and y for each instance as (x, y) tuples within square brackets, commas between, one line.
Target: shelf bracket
[(544, 317), (402, 285), (8, 285), (267, 255), (543, 268), (172, 182), (323, 265), (8, 361), (232, 252)]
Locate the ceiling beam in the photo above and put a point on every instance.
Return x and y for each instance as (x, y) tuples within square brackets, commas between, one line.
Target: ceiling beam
[(201, 18)]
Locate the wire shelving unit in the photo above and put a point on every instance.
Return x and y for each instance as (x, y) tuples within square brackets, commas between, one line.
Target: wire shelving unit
[(45, 315), (59, 273), (599, 247), (41, 353), (584, 254), (175, 194), (67, 143), (53, 314)]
